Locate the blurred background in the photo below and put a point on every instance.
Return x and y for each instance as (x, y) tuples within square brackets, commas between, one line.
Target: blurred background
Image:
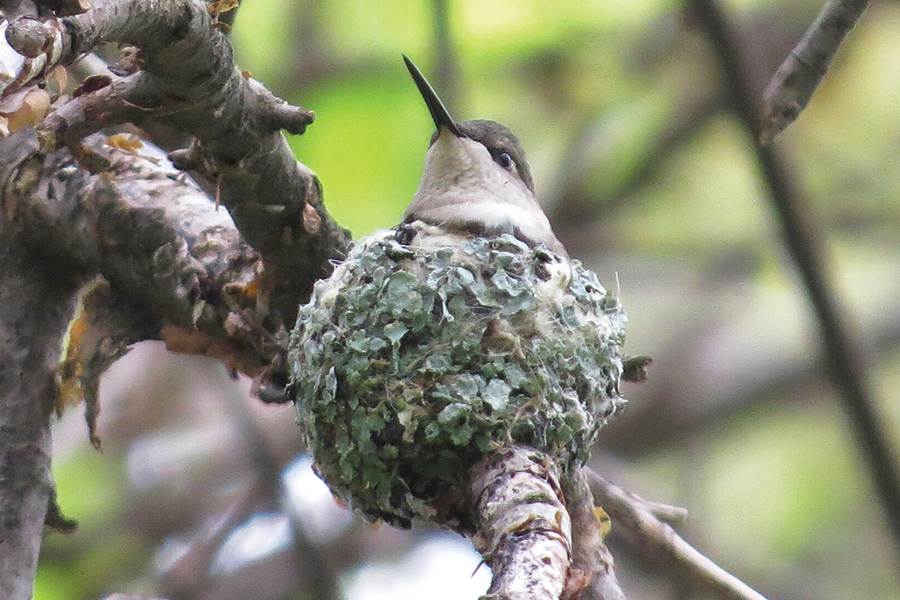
[(650, 180)]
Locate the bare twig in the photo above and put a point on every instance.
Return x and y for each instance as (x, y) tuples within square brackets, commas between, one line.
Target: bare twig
[(844, 361), (662, 542), (799, 75), (667, 513)]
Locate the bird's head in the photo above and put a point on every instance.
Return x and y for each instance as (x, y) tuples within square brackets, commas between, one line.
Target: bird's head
[(476, 178)]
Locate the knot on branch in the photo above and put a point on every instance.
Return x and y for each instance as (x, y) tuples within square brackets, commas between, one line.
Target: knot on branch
[(293, 119)]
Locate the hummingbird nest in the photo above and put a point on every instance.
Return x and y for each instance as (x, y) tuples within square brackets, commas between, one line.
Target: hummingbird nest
[(425, 350)]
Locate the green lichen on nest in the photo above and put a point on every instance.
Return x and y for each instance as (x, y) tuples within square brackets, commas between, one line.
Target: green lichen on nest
[(412, 361)]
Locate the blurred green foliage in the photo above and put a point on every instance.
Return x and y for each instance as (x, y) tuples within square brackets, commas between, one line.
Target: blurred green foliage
[(90, 489), (367, 180)]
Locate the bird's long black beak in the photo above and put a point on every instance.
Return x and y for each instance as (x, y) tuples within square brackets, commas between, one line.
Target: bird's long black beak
[(437, 109)]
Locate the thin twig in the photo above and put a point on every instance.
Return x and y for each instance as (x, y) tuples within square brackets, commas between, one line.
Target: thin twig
[(803, 244), (667, 513), (664, 542), (799, 75)]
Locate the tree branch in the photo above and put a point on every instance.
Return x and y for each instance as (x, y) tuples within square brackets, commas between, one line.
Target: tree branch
[(182, 74), (34, 309), (799, 75), (158, 240), (537, 529), (802, 241), (661, 542), (177, 264), (524, 531)]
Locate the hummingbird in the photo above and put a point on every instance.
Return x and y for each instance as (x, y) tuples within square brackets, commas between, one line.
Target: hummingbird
[(476, 179)]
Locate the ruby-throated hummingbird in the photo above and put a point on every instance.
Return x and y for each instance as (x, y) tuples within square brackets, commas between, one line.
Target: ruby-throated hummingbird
[(476, 179)]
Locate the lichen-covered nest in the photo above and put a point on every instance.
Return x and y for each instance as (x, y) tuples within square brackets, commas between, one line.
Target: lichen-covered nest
[(426, 350)]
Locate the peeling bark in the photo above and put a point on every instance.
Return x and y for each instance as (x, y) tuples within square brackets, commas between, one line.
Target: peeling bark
[(523, 530), (537, 529)]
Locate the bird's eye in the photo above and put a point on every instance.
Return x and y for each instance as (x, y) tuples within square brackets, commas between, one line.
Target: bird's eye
[(505, 161)]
